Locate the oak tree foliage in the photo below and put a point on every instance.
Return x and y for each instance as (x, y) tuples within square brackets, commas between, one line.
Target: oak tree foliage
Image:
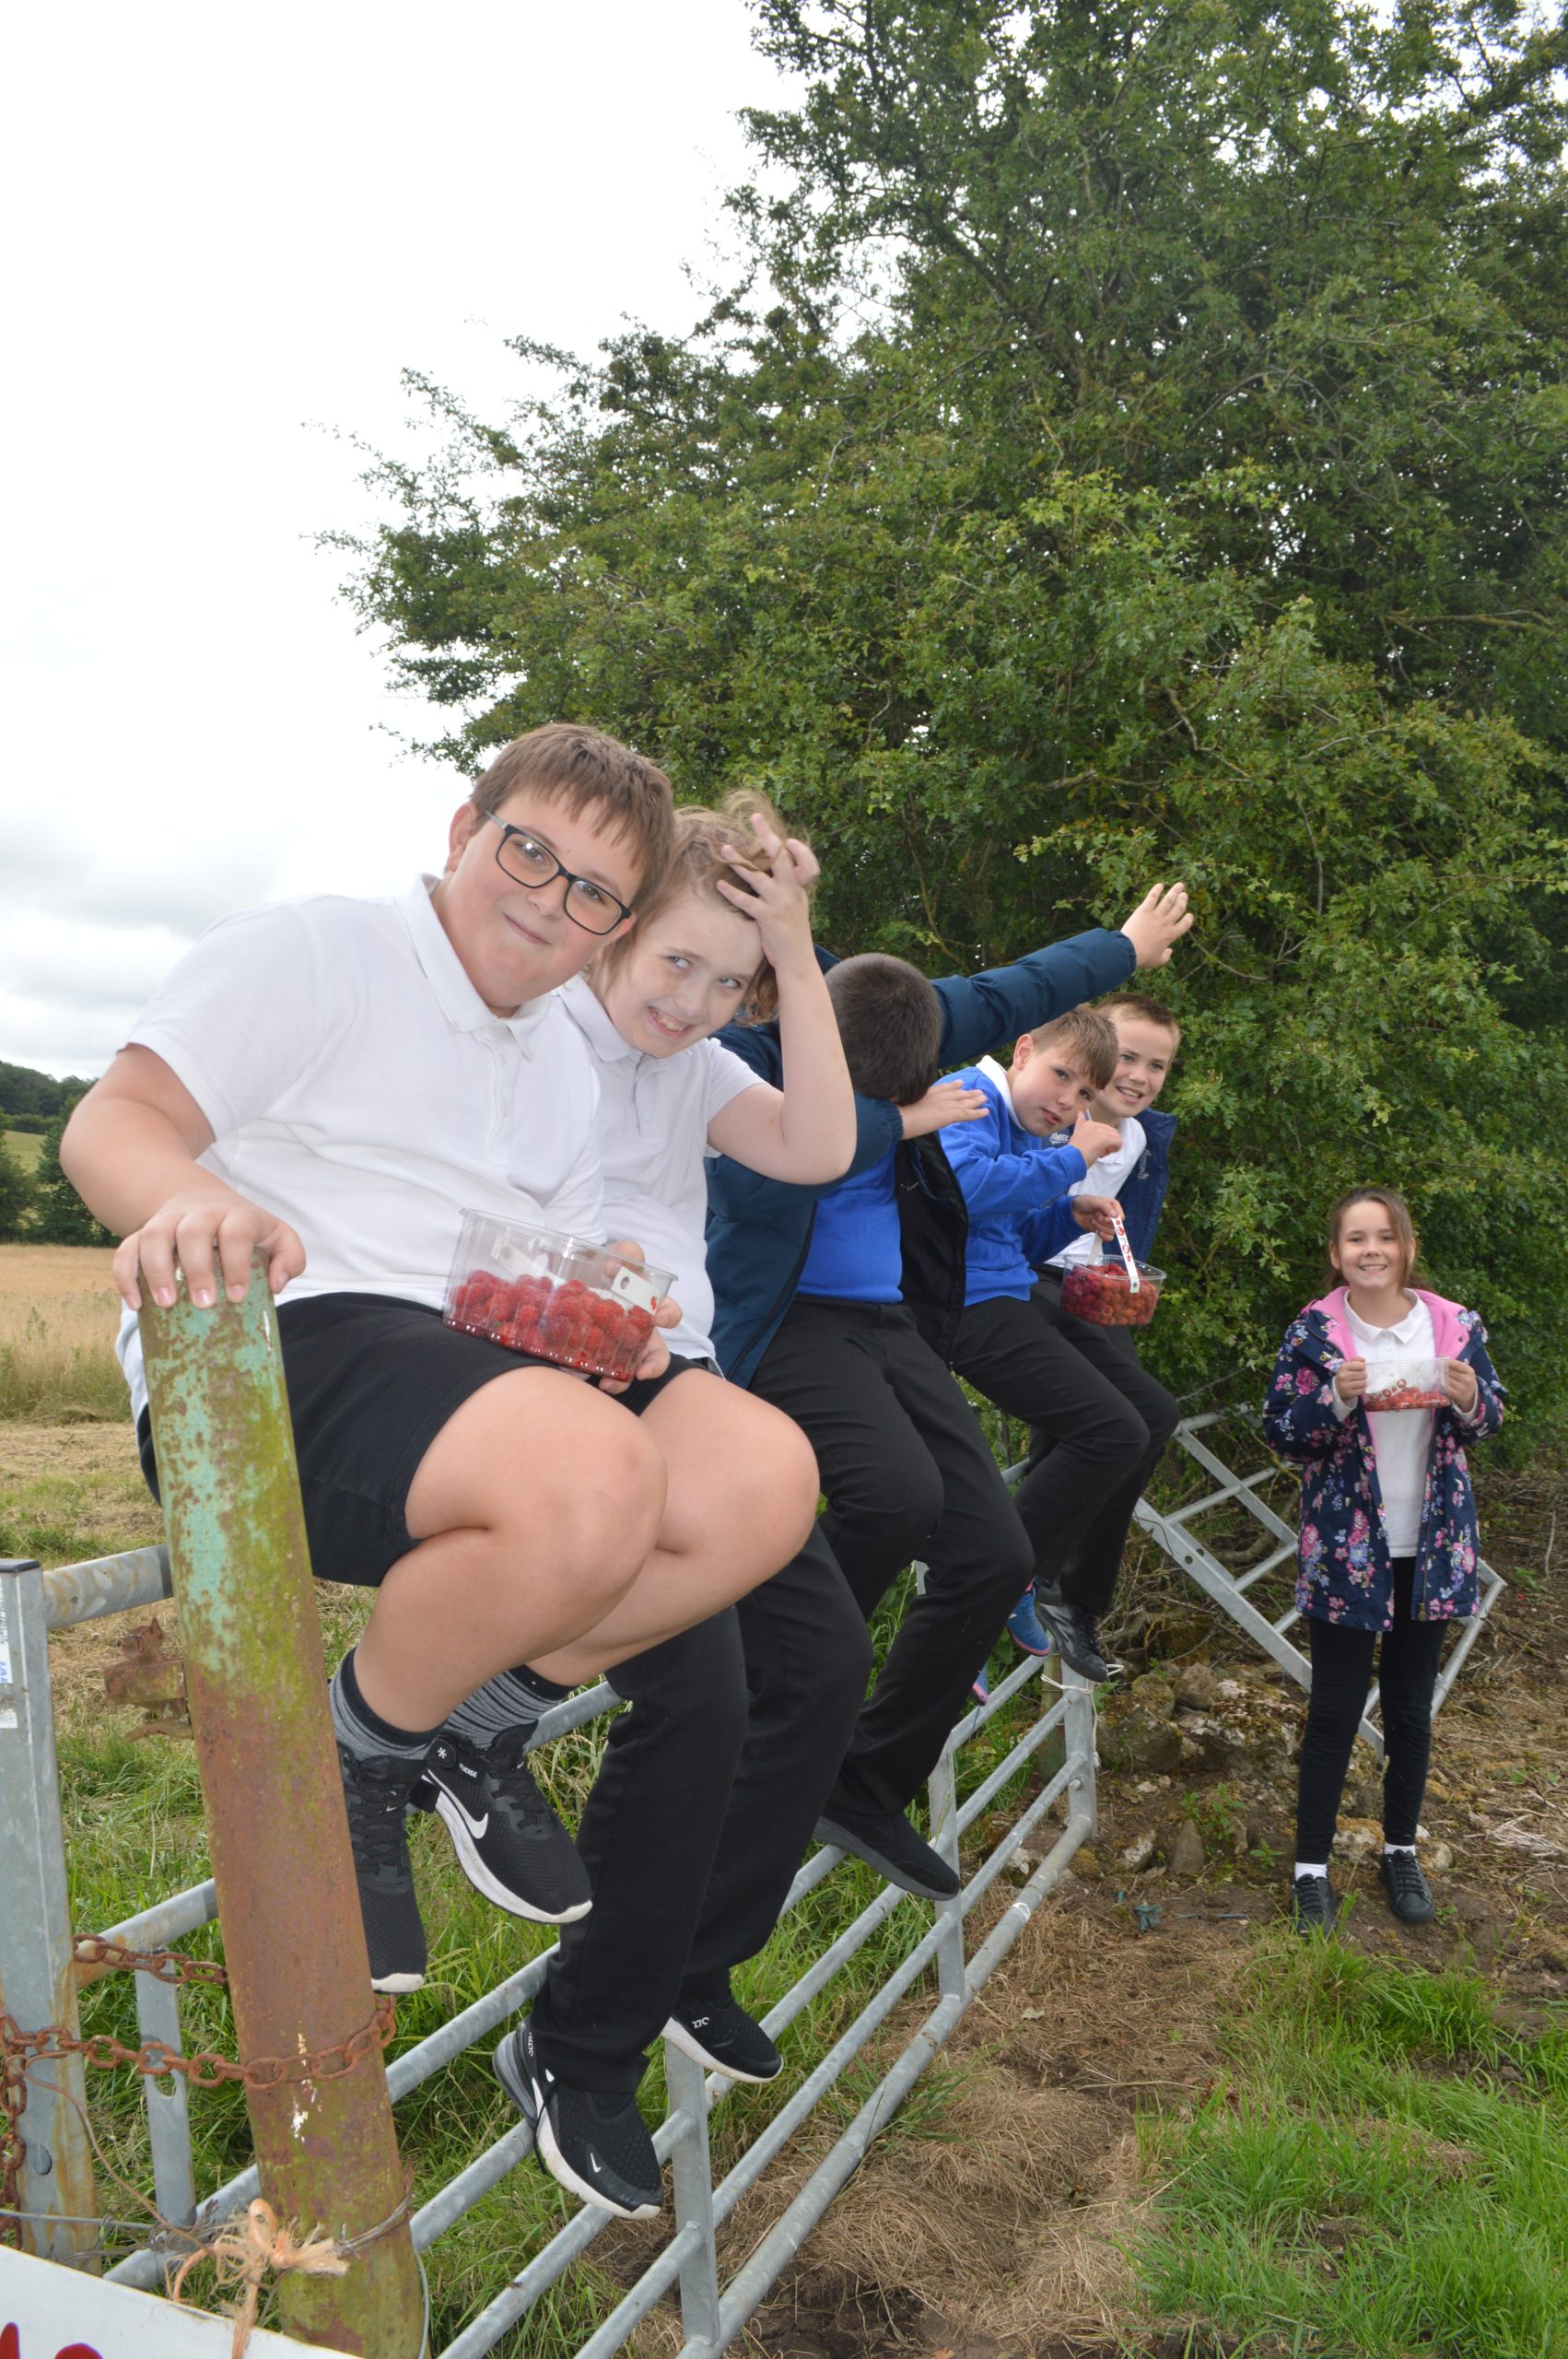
[(1134, 444)]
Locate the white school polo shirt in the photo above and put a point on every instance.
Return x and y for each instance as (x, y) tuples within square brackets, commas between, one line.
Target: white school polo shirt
[(654, 1113), (1401, 1438), (357, 1084)]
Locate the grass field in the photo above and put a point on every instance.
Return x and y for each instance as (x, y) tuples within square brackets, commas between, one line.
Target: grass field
[(1374, 2165), (26, 1147)]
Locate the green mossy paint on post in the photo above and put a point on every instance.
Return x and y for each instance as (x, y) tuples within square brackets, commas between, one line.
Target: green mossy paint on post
[(287, 1904)]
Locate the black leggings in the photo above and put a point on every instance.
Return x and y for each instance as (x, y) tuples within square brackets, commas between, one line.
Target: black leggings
[(1341, 1676)]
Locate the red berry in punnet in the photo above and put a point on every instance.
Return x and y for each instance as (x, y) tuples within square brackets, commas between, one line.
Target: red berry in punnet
[(562, 1298), (1101, 1292)]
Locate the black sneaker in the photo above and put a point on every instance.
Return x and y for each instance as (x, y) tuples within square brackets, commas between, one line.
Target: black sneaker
[(509, 1844), (596, 2143), (1410, 1895), (1076, 1633), (1313, 1905), (888, 1842), (376, 1791), (724, 2039)]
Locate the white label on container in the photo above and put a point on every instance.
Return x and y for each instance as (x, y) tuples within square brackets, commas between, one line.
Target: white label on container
[(629, 1287)]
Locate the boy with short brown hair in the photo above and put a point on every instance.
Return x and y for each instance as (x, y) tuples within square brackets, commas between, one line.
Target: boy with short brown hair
[(1099, 1422)]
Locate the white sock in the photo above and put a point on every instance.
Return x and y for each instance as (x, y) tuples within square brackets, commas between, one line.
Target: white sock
[(1306, 1868), (1388, 1848)]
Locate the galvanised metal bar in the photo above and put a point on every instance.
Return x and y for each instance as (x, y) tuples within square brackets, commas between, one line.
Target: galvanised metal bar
[(293, 1942), (38, 1983), (169, 2108), (168, 1920), (691, 2190), (102, 1585)]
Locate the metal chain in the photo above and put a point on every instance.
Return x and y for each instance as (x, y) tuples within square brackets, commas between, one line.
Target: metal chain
[(168, 1966), (205, 2070)]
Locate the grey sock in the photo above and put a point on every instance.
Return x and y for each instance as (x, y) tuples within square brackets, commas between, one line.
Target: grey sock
[(512, 1699), (363, 1731)]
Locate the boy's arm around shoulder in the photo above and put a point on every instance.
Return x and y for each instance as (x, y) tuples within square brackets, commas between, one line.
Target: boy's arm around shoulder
[(980, 1011), (1299, 1419), (735, 1191)]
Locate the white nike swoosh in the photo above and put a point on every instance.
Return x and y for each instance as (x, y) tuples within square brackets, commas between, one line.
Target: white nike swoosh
[(476, 1825), (594, 2163)]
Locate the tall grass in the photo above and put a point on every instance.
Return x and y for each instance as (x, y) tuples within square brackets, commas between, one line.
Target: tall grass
[(1383, 2172), (58, 1317)]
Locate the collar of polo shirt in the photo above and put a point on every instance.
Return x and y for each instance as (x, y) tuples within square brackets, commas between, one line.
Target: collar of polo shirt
[(584, 1005), (448, 978)]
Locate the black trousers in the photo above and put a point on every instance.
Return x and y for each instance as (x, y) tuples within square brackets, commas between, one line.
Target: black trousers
[(702, 1811), (907, 1471), (1099, 1423), (1341, 1676)]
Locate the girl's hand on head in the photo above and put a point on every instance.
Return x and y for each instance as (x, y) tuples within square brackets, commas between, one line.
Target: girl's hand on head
[(1350, 1379), (775, 897), (1158, 923), (1458, 1381), (1093, 1139), (1097, 1214), (944, 1102), (207, 1235)]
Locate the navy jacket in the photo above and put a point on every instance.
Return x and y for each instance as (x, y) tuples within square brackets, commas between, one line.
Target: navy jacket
[(759, 1229)]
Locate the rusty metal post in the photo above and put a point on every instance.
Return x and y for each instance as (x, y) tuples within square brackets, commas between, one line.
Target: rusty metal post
[(325, 2148)]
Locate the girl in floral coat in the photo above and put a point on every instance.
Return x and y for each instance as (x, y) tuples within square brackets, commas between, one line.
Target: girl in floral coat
[(1389, 1544)]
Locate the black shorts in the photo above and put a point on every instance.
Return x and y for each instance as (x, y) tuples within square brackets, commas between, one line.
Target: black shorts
[(371, 1381)]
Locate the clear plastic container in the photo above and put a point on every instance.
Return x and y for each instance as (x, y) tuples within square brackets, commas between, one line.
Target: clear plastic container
[(1101, 1292), (1404, 1380), (558, 1298)]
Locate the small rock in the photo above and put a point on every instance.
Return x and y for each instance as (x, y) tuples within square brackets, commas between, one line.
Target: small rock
[(1187, 1853), (1086, 1864), (1197, 1685), (1440, 1859), (1152, 1693), (1139, 1852), (1230, 1691), (1356, 1840), (1132, 1738)]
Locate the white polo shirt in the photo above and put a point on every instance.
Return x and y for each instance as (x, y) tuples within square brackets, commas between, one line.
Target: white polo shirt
[(654, 1113), (357, 1086), (1401, 1438)]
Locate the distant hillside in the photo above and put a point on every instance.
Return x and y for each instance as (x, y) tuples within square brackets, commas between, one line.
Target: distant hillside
[(25, 1092)]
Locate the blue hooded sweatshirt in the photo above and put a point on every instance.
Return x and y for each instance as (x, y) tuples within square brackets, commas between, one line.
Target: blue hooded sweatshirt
[(1010, 1180), (759, 1229)]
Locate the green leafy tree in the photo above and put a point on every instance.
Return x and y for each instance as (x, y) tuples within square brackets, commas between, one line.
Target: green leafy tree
[(1139, 449), (60, 1216), (16, 1197)]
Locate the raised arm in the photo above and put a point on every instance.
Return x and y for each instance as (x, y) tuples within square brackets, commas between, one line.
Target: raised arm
[(980, 1012), (130, 1150), (804, 1131)]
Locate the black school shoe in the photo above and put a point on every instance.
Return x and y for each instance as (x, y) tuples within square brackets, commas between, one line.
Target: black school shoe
[(1076, 1635), (724, 2039), (1409, 1893), (1313, 1905), (594, 2141), (509, 1844), (888, 1842), (376, 1793)]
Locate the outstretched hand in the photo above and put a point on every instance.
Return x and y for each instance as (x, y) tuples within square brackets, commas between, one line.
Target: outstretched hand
[(1158, 923)]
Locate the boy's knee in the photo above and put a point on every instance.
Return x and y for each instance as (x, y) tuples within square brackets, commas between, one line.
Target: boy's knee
[(904, 1505)]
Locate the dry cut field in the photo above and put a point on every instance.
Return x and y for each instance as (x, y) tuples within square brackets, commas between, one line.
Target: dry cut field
[(58, 1315)]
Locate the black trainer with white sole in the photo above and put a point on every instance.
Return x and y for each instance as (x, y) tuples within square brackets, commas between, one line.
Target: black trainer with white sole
[(376, 1793), (1408, 1892), (1076, 1633), (724, 2039), (509, 1844), (888, 1842), (595, 2144)]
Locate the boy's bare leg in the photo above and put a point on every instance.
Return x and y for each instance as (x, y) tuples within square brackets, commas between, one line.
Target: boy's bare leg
[(536, 1508), (742, 1495)]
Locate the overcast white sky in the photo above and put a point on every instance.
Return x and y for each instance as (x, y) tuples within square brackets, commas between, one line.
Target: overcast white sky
[(229, 231)]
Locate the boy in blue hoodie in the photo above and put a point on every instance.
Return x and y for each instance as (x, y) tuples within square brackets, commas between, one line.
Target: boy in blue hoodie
[(1099, 1421), (841, 1303)]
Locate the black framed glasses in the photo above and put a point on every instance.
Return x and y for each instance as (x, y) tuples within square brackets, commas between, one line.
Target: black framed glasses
[(528, 861)]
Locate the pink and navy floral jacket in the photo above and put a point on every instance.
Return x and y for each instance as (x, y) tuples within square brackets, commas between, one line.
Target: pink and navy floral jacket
[(1344, 1570)]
